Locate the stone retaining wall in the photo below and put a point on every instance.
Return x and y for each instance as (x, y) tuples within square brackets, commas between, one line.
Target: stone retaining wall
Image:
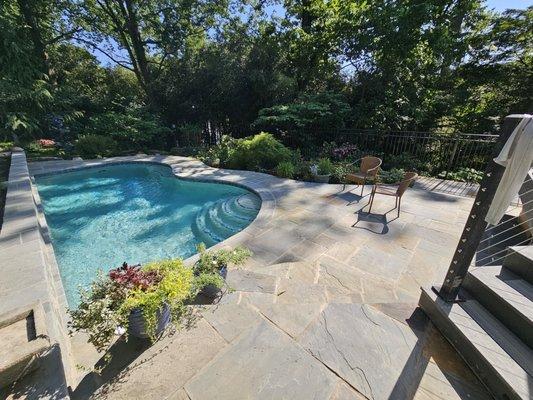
[(30, 274)]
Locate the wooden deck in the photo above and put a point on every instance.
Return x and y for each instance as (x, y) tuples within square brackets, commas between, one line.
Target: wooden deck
[(463, 189)]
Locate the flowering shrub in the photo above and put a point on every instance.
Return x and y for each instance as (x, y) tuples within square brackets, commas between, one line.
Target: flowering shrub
[(345, 151), (46, 143)]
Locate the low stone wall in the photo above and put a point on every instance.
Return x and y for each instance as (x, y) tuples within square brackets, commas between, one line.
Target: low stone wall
[(30, 274)]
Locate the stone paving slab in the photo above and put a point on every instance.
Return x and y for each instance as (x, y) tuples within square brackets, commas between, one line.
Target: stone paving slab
[(292, 318), (229, 320), (249, 281), (369, 350), (264, 363)]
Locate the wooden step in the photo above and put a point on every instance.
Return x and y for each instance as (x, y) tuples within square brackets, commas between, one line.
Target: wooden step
[(507, 296), (519, 259), (499, 358)]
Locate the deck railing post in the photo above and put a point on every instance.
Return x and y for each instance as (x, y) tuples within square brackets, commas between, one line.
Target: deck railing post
[(475, 224)]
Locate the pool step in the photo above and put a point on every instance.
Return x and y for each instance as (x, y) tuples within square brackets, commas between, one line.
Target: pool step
[(224, 218)]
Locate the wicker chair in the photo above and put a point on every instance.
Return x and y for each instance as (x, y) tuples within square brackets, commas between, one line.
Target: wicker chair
[(396, 190), (368, 172)]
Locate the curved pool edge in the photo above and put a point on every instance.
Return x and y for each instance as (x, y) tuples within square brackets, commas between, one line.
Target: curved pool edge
[(185, 168)]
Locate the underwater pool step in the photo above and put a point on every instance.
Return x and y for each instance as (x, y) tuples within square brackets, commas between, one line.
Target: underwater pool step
[(202, 230), (224, 218), (219, 222)]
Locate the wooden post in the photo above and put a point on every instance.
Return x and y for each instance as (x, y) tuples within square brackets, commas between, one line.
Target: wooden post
[(475, 224)]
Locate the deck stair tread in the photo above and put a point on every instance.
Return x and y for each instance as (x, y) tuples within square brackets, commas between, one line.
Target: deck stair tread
[(519, 259), (496, 347), (509, 286)]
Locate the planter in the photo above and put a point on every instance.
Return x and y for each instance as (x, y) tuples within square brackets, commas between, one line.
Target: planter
[(213, 291), (137, 324), (322, 178)]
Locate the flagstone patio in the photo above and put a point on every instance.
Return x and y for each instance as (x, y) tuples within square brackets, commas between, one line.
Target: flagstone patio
[(325, 309)]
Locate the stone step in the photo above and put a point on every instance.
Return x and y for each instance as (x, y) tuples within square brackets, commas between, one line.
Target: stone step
[(499, 358), (507, 296), (220, 223), (202, 231), (519, 259)]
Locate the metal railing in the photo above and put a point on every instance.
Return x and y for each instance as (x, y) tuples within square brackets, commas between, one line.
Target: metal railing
[(475, 232), (431, 152)]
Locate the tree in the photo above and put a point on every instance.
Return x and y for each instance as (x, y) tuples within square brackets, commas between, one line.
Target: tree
[(145, 33)]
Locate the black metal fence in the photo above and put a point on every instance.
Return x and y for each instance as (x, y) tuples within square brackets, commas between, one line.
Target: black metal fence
[(426, 151)]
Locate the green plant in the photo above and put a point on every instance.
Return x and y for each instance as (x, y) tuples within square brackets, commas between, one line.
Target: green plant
[(208, 279), (259, 152), (214, 261), (286, 169), (324, 167), (111, 298), (340, 170), (91, 146), (470, 175), (394, 175)]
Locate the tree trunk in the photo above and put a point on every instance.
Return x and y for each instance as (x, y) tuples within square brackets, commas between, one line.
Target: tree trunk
[(39, 46)]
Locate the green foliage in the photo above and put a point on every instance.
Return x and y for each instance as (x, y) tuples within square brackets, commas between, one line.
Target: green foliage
[(340, 170), (407, 162), (131, 131), (108, 303), (394, 175), (213, 261), (208, 279), (470, 175), (5, 146), (318, 111), (259, 152), (35, 150), (93, 146), (285, 169), (219, 154), (324, 166)]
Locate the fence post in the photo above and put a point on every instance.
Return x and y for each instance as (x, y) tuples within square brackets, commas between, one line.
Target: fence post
[(452, 157), (475, 224)]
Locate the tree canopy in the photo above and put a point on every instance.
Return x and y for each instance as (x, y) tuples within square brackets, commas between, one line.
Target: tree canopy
[(170, 70)]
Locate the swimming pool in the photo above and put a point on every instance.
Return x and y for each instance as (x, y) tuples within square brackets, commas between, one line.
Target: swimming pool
[(101, 217)]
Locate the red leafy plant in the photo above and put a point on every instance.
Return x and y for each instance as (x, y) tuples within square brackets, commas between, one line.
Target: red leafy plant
[(133, 277)]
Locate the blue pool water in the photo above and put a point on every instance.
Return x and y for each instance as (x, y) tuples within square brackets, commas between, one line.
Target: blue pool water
[(101, 217)]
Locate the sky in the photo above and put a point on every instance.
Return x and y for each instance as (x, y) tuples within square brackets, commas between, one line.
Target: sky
[(500, 5)]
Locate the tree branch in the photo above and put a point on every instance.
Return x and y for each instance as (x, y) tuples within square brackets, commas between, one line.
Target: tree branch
[(107, 54)]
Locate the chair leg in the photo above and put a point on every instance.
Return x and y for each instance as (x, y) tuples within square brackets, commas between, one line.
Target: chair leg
[(371, 202), (363, 187), (399, 199)]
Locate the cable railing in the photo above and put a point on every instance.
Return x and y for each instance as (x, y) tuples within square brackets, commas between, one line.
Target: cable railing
[(484, 245)]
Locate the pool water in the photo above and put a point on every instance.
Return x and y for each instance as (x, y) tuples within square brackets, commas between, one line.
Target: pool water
[(101, 217)]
